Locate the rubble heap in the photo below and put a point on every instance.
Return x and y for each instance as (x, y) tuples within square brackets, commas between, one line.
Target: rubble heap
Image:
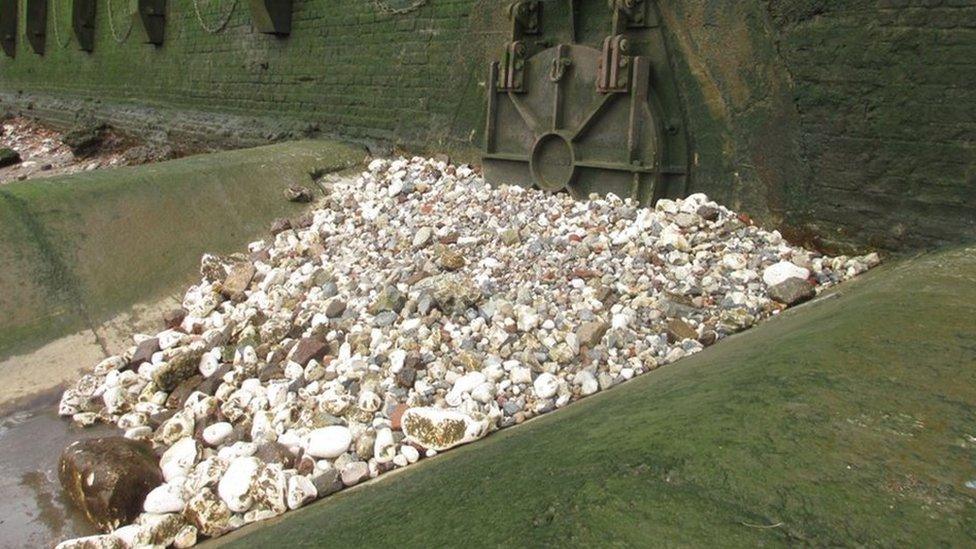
[(415, 310)]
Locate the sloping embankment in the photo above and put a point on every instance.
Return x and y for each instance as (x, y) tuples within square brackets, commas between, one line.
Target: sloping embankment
[(76, 250), (848, 421)]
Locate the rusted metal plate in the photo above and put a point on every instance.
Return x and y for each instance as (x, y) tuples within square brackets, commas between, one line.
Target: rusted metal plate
[(584, 119), (272, 16), (8, 27), (36, 25), (150, 21), (83, 23)]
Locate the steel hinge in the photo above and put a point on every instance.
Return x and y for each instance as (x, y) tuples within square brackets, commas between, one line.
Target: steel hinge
[(526, 16), (615, 66), (511, 71)]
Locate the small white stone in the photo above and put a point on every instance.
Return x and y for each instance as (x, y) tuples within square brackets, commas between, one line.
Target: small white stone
[(217, 433), (411, 453), (178, 460), (546, 385), (587, 382), (164, 499), (384, 449), (520, 374), (235, 486), (301, 490), (328, 442), (186, 537), (422, 237)]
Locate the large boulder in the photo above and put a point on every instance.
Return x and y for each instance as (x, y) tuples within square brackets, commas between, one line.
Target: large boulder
[(437, 429), (86, 140), (108, 478), (8, 157)]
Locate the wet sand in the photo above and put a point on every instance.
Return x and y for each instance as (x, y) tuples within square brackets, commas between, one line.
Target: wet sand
[(33, 510)]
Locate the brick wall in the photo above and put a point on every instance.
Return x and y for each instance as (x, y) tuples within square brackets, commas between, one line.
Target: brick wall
[(349, 67)]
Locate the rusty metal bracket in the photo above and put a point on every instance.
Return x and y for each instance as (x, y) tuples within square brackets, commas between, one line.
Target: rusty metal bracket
[(272, 16), (83, 23), (8, 27), (636, 13), (151, 21), (36, 25), (511, 72), (615, 66), (526, 16)]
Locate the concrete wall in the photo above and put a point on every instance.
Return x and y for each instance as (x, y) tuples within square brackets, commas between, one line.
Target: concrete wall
[(76, 250), (846, 122)]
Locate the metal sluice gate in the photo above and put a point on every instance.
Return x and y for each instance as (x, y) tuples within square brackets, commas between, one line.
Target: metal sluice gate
[(586, 116)]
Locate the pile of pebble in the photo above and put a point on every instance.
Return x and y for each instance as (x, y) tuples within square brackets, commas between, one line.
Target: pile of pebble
[(415, 310)]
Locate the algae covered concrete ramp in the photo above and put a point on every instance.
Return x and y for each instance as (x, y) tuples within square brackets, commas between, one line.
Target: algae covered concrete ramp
[(849, 421), (76, 250)]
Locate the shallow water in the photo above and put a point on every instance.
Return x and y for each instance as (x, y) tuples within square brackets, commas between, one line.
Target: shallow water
[(33, 509)]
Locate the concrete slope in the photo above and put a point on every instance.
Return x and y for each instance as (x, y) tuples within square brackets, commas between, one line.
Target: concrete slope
[(849, 421), (77, 250)]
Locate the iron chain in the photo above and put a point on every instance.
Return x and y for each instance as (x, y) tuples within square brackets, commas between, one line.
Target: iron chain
[(111, 24), (385, 8), (55, 24), (219, 27)]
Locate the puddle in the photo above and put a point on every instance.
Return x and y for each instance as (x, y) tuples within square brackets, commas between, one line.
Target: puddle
[(33, 510)]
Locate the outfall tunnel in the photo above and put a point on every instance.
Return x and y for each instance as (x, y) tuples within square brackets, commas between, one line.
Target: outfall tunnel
[(847, 124)]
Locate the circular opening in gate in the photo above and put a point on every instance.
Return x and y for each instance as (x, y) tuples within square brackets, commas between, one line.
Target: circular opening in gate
[(553, 162)]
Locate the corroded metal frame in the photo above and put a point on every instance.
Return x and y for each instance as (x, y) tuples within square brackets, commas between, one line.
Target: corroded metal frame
[(36, 25), (8, 27), (272, 16), (83, 23), (150, 21), (545, 130)]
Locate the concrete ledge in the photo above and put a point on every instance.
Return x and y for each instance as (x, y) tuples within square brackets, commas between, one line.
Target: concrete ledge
[(79, 249)]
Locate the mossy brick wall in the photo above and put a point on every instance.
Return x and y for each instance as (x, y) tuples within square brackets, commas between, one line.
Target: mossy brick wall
[(845, 122), (885, 91), (349, 67)]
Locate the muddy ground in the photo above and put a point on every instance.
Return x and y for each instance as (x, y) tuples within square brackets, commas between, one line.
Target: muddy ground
[(45, 151)]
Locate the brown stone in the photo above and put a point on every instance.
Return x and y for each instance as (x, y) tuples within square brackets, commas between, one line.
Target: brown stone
[(238, 280), (108, 478), (209, 385), (708, 338), (159, 418), (280, 225), (678, 330), (173, 318), (396, 417), (180, 367), (590, 334), (182, 391), (309, 348), (299, 193), (792, 291), (274, 452), (449, 238), (144, 352), (406, 377)]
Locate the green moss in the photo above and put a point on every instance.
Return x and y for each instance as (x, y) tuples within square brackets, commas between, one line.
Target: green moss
[(848, 421)]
